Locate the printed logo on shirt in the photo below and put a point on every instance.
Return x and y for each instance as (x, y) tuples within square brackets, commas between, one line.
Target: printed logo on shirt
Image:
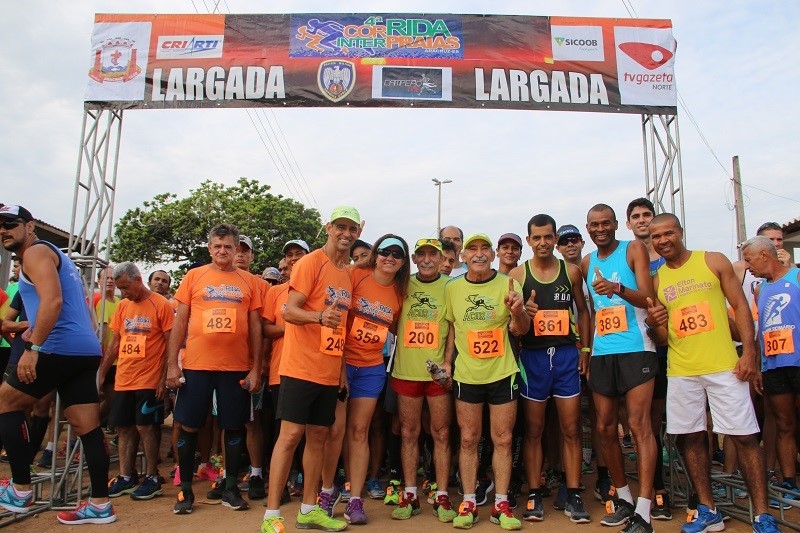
[(482, 308), (138, 324), (424, 307), (223, 293), (772, 310)]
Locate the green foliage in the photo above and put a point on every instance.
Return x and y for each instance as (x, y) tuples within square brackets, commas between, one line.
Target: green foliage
[(171, 230)]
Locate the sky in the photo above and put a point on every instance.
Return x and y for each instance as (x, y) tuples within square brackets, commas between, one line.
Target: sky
[(736, 69)]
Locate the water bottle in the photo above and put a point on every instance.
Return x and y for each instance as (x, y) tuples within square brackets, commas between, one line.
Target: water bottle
[(438, 374)]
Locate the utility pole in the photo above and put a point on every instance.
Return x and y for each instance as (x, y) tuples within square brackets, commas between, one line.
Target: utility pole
[(741, 229), (438, 184)]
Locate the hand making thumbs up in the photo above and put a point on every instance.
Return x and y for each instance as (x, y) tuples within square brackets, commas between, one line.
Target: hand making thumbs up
[(601, 285), (331, 316), (656, 314), (530, 305)]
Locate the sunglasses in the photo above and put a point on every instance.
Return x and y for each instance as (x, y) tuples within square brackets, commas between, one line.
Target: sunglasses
[(569, 240), (768, 225), (385, 252), (10, 224)]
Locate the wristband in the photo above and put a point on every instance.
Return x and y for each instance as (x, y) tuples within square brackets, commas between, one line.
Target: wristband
[(320, 318), (586, 350), (33, 347)]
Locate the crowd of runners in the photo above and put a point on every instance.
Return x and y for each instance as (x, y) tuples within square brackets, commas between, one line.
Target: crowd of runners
[(341, 367)]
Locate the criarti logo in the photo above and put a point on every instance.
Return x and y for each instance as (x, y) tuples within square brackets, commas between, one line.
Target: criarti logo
[(650, 56)]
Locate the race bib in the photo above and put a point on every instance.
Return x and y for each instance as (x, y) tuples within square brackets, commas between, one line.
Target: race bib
[(368, 333), (778, 341), (692, 319), (219, 320), (611, 320), (551, 322), (486, 343), (421, 335), (132, 346), (331, 341)]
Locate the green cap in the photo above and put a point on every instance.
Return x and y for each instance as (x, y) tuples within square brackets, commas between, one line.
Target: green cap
[(477, 237), (345, 211)]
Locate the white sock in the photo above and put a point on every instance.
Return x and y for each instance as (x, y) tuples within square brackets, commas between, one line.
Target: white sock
[(328, 490), (272, 512), (412, 491), (306, 508), (441, 493), (470, 498), (100, 505), (355, 498), (21, 493), (49, 446), (643, 508), (500, 498), (255, 471), (624, 493), (201, 466)]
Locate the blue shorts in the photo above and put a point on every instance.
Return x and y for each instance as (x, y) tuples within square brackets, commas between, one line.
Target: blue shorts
[(366, 381), (549, 372)]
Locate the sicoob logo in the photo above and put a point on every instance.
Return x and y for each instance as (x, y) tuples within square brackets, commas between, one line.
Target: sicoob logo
[(650, 56)]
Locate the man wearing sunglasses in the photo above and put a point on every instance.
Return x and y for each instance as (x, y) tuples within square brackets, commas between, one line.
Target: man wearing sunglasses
[(62, 352), (570, 244)]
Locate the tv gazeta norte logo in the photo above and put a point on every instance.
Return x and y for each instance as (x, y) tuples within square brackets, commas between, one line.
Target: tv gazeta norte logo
[(650, 56), (336, 79)]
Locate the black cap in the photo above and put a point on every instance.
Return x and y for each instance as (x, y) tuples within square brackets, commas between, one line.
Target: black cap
[(567, 230), (13, 212)]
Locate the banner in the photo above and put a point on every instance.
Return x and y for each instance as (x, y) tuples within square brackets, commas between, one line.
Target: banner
[(382, 60)]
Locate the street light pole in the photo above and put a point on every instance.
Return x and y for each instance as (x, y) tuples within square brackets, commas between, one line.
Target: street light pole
[(438, 184)]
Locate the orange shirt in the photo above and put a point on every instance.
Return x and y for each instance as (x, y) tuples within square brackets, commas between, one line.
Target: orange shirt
[(375, 308), (141, 326), (274, 305), (218, 333), (303, 356)]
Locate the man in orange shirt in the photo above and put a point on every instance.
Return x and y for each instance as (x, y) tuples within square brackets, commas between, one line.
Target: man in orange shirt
[(312, 368), (219, 306), (140, 332)]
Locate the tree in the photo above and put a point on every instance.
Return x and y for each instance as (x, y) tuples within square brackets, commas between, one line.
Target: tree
[(171, 230)]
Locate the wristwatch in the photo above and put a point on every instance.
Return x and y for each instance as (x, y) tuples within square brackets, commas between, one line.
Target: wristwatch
[(33, 347)]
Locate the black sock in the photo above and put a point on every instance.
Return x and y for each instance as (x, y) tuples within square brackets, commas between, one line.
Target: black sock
[(534, 492), (94, 448), (790, 481), (234, 446), (39, 426), (658, 477), (187, 444), (15, 435), (393, 446), (602, 473), (573, 492)]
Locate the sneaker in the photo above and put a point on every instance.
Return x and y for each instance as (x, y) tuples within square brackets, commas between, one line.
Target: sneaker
[(575, 510), (46, 460), (345, 491), (660, 510), (718, 458), (216, 461), (502, 514), (184, 504), (443, 509), (586, 468), (774, 477), (207, 473), (328, 500), (512, 497), (409, 506), (552, 479), (217, 488), (765, 523), (467, 515), (706, 521), (354, 512), (429, 489), (392, 493), (317, 518), (255, 489), (740, 494), (534, 510), (232, 499), (560, 501), (176, 479), (627, 441), (273, 524), (374, 489), (88, 513), (777, 504), (602, 490), (482, 490), (618, 512), (718, 491), (637, 524), (11, 501), (119, 485), (149, 489)]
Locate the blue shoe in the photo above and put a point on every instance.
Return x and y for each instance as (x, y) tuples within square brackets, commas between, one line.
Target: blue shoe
[(11, 501), (88, 513), (119, 486), (765, 523), (777, 504), (374, 489), (149, 489), (560, 502), (706, 521), (46, 460)]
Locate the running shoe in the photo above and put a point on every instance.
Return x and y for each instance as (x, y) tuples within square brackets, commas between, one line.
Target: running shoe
[(467, 516), (429, 490), (777, 504), (88, 513), (661, 509), (184, 504), (637, 524), (217, 488), (618, 512), (10, 500), (443, 509), (328, 500), (273, 524), (354, 512), (207, 473), (119, 485), (502, 514), (765, 523), (408, 507), (374, 489), (718, 458), (482, 490), (392, 493), (46, 460), (534, 510), (627, 441), (706, 520), (552, 479), (318, 519), (718, 491), (575, 510), (255, 488), (233, 500), (345, 491), (149, 489), (560, 501), (602, 489)]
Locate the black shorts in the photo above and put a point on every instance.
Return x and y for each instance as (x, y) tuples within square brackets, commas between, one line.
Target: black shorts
[(111, 376), (194, 398), (784, 380), (496, 393), (614, 375), (136, 407), (305, 402), (274, 394), (660, 386), (74, 377)]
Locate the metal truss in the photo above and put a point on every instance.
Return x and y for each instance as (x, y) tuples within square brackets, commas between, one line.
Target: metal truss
[(662, 164)]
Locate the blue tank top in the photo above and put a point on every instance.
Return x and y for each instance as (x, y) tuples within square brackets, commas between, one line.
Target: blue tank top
[(655, 264), (634, 339), (73, 333), (779, 320)]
